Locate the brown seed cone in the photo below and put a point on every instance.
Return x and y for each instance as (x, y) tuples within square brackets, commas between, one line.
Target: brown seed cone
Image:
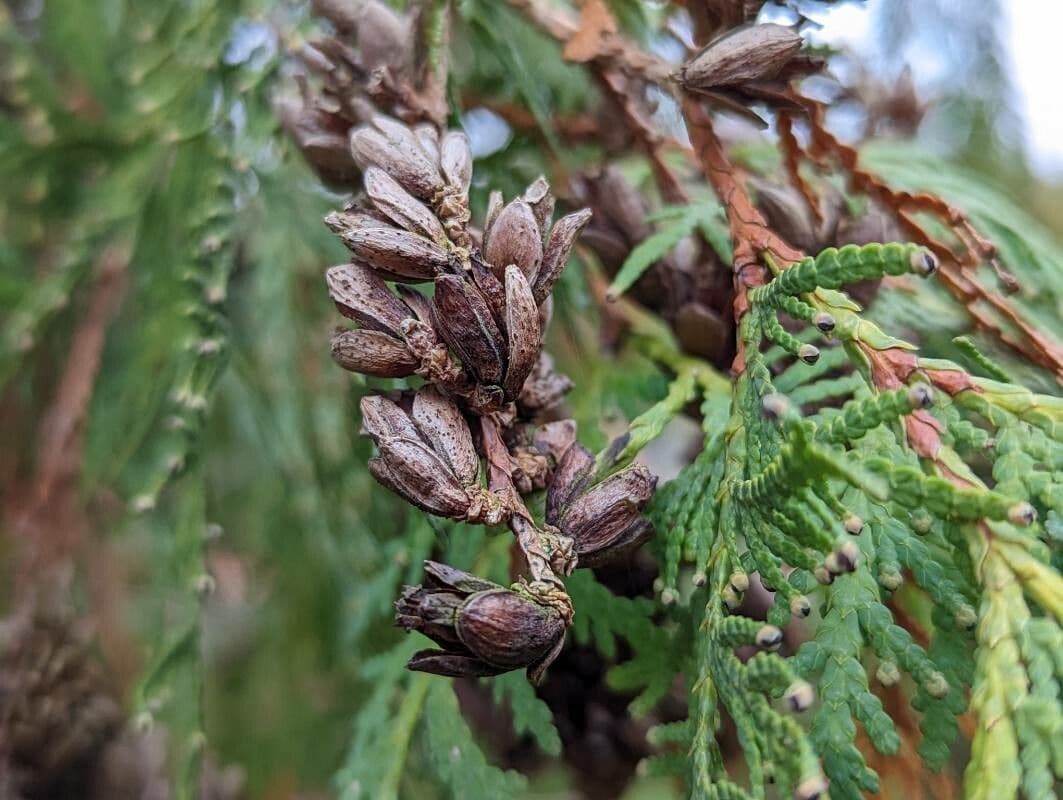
[(400, 253), (604, 520), (426, 456), (544, 390), (441, 423), (322, 139), (749, 64), (463, 318), (746, 54), (373, 353), (360, 294), (390, 145), (402, 208), (525, 337), (514, 238), (559, 246), (483, 628)]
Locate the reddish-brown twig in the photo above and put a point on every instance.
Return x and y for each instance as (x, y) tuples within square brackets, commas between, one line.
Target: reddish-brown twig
[(957, 266), (750, 234), (791, 153)]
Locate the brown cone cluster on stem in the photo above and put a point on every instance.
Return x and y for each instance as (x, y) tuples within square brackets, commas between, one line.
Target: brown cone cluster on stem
[(482, 628), (476, 338), (374, 62)]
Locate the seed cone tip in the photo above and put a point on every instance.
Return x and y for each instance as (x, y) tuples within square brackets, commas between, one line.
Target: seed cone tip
[(844, 559)]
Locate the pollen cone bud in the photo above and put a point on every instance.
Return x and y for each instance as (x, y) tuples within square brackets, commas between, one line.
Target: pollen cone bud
[(482, 628), (811, 788), (775, 406), (739, 581), (604, 520), (924, 263), (844, 559), (853, 524), (808, 353), (1022, 514), (799, 695), (769, 637), (920, 396), (799, 606), (824, 321)]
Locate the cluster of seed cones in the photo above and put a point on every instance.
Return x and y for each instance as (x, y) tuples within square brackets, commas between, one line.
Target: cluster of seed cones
[(476, 340), (63, 732)]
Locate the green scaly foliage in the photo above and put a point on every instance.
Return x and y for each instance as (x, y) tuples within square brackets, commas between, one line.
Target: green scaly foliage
[(783, 498)]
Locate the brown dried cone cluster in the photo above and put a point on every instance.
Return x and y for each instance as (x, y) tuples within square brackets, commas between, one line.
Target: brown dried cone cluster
[(57, 710), (483, 628), (63, 733), (477, 342), (374, 62), (689, 287)]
